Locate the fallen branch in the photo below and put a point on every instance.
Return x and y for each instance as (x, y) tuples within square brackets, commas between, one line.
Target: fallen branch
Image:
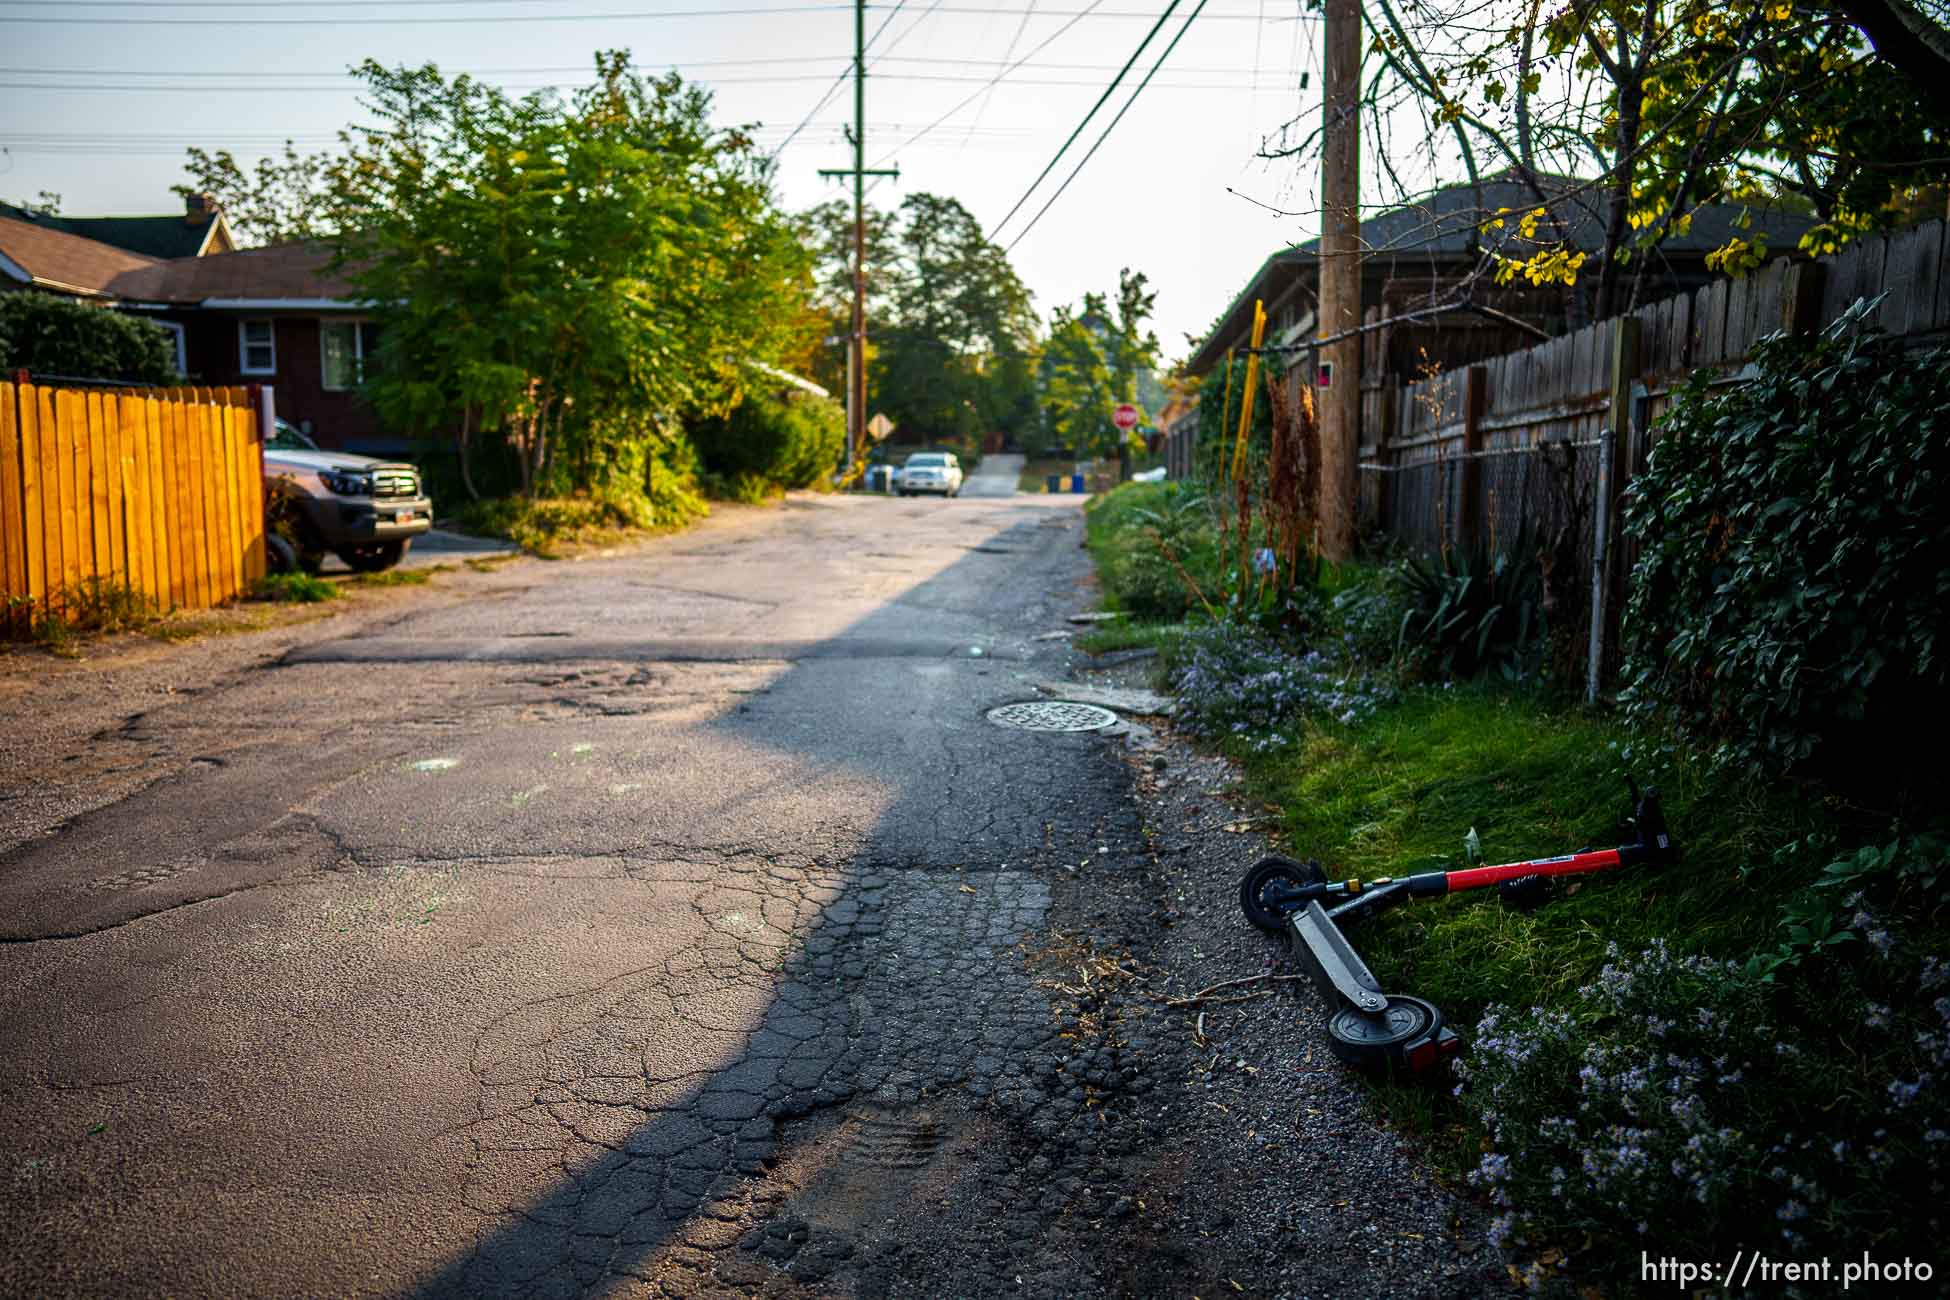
[(1205, 994)]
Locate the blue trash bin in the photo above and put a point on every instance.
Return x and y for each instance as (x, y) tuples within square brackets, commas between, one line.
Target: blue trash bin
[(1076, 482)]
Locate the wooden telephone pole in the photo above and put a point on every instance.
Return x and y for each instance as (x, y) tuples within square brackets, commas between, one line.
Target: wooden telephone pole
[(1340, 276), (856, 348)]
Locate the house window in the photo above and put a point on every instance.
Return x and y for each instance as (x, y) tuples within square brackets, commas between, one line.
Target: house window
[(176, 334), (257, 349), (345, 345)]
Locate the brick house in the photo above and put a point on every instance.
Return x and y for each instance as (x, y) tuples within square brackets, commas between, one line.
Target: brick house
[(276, 316)]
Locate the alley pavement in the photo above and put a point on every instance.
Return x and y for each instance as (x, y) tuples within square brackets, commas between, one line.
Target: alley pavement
[(485, 952), (672, 922)]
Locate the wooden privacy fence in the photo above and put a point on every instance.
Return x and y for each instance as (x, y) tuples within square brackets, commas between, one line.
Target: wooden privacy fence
[(1540, 445), (157, 494)]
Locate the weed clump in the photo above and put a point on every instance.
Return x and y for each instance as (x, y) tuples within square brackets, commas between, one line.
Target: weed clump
[(295, 589)]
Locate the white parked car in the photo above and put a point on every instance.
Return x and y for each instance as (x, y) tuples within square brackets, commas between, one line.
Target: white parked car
[(930, 471)]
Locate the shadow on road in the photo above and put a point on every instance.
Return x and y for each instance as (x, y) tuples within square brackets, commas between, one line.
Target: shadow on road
[(888, 976)]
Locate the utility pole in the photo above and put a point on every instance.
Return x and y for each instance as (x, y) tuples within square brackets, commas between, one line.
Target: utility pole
[(856, 352), (1340, 275)]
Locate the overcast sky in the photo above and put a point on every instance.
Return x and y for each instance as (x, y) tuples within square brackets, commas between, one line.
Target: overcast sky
[(98, 101)]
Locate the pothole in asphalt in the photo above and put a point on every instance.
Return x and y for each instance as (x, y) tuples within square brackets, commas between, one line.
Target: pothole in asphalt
[(1052, 715)]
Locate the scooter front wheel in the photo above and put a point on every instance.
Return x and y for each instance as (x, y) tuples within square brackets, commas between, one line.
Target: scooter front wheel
[(1259, 890), (1367, 1041)]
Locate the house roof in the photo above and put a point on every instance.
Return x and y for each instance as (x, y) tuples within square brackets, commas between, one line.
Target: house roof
[(290, 274), (1443, 229), (180, 235), (31, 253)]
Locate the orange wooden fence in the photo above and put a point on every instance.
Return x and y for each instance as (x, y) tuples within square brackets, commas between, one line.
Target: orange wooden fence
[(155, 492)]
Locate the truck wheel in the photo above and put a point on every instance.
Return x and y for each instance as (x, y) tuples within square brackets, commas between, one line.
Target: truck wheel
[(280, 556), (311, 551), (374, 558)]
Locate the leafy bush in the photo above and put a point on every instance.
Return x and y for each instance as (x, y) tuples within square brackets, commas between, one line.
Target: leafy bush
[(1829, 914), (1471, 612), (792, 439), (1670, 1107), (1220, 402), (1234, 685), (59, 336), (1795, 554), (1154, 543), (746, 489)]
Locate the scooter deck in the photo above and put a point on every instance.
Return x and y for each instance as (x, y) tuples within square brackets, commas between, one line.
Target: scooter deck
[(1326, 955)]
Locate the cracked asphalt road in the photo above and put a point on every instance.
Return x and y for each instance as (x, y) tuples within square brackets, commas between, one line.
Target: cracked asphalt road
[(667, 923)]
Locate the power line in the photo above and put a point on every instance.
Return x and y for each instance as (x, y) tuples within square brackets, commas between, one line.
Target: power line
[(838, 81), (630, 16), (522, 86), (1193, 17), (121, 144), (1014, 40), (1040, 47), (906, 32), (289, 73), (428, 19), (1102, 99)]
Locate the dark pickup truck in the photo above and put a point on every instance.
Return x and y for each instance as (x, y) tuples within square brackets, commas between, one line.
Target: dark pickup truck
[(365, 511)]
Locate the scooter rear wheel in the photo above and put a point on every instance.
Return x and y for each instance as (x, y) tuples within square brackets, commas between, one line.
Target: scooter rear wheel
[(1254, 887), (1369, 1041)]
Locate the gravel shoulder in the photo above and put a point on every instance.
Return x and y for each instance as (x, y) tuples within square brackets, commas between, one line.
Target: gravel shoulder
[(1269, 1170)]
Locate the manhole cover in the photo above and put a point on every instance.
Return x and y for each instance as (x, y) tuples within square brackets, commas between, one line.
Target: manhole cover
[(1052, 715)]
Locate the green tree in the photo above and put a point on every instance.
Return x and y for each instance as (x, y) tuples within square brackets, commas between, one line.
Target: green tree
[(961, 324), (279, 201), (951, 332), (828, 231), (1079, 389), (1673, 104), (574, 278), (1098, 355)]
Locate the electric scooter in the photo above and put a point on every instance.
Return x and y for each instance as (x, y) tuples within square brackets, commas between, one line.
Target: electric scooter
[(1370, 1028)]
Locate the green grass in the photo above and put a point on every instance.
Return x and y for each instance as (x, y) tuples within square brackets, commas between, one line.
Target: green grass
[(550, 526), (296, 589), (1123, 634), (1398, 794), (397, 577)]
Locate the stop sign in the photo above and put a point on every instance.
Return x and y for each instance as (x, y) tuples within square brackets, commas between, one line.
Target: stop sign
[(1125, 416)]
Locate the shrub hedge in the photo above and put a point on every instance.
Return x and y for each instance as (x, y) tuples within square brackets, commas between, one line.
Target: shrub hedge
[(1795, 554), (791, 439), (59, 336)]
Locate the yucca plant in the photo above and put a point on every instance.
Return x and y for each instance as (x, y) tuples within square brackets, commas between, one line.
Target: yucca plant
[(1472, 611)]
